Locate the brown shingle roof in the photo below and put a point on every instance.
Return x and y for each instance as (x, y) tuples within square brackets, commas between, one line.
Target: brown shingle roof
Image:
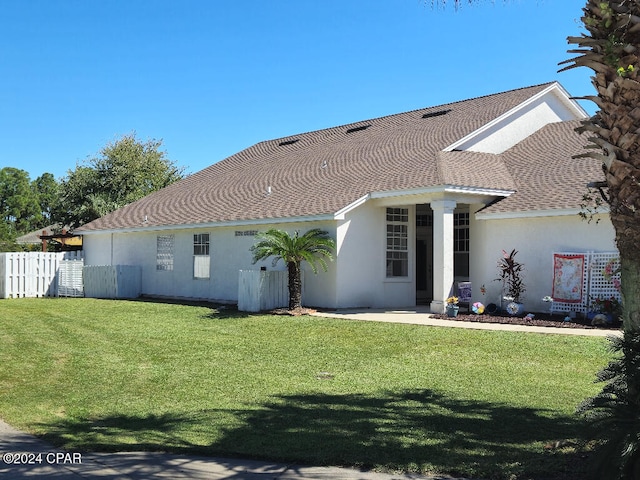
[(546, 175), (323, 171), (474, 169)]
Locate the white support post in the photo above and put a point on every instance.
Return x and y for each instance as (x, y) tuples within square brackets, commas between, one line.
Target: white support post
[(442, 252)]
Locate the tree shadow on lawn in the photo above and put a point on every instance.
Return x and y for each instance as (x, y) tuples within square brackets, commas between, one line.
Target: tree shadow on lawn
[(415, 431)]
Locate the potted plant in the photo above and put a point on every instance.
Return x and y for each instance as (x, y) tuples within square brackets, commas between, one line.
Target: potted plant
[(513, 287), (609, 307), (452, 307)]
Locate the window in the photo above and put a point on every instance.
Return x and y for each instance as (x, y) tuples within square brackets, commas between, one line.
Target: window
[(201, 258), (397, 242), (201, 244), (461, 244), (164, 252)]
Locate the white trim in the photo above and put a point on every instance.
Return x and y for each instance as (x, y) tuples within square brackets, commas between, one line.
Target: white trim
[(442, 189), (532, 214), (340, 214), (193, 226), (563, 96), (478, 191)]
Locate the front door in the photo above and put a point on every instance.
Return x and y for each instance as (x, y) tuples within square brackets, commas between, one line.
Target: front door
[(424, 254)]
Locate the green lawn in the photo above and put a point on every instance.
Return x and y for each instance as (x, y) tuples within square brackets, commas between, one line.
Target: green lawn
[(117, 375)]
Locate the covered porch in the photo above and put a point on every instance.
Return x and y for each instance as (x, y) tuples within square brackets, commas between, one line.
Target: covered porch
[(430, 243)]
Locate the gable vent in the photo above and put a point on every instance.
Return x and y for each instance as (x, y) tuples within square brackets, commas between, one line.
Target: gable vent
[(288, 142), (437, 113), (357, 129)]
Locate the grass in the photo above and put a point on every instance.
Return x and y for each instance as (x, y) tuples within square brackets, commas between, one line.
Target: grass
[(105, 375)]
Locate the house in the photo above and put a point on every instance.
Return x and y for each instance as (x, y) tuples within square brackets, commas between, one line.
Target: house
[(56, 233), (416, 201)]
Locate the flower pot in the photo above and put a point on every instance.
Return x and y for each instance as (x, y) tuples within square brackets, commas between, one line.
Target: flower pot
[(515, 309), (492, 309), (452, 310)]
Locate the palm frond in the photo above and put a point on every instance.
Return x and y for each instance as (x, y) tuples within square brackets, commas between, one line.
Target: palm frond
[(314, 247)]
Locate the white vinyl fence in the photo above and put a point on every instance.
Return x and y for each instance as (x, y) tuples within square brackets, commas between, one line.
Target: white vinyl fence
[(70, 282), (31, 274), (112, 281), (260, 290)]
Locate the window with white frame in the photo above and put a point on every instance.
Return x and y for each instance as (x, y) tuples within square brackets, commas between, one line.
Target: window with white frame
[(201, 257), (461, 244), (164, 252), (397, 242)]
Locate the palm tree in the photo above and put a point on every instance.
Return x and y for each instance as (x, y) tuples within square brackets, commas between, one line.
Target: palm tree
[(313, 247), (611, 48)]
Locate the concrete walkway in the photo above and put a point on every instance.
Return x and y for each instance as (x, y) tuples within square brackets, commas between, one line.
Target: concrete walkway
[(50, 463), (422, 316)]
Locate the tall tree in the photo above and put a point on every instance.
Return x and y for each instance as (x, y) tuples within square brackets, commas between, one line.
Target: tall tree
[(46, 189), (313, 247), (19, 207), (125, 171), (611, 48)]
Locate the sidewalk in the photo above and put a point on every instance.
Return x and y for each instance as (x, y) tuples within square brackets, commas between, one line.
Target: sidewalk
[(421, 316), (54, 464)]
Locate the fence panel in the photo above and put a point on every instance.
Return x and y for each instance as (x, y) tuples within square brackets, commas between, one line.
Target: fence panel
[(31, 274), (260, 290), (112, 281), (70, 278)]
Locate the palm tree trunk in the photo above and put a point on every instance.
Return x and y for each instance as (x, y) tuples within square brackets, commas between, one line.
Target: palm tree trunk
[(295, 285), (630, 284)]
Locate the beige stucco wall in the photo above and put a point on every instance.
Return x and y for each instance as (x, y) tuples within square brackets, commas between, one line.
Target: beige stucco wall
[(361, 274), (535, 239), (229, 254)]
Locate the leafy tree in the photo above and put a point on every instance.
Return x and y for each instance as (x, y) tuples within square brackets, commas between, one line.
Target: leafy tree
[(314, 246), (19, 207), (46, 189), (125, 171), (7, 238)]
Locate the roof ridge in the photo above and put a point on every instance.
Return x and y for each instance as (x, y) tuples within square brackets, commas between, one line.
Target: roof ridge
[(346, 125)]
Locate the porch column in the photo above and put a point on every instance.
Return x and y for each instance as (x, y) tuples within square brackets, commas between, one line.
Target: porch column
[(442, 252)]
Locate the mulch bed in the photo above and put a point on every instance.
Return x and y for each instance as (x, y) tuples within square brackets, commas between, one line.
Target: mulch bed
[(294, 313), (539, 320)]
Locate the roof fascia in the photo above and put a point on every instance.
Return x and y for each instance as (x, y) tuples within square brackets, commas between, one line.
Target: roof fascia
[(555, 87), (442, 189), (533, 214), (340, 214), (193, 226)]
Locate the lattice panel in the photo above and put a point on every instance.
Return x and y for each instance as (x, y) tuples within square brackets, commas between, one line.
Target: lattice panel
[(599, 281), (602, 282)]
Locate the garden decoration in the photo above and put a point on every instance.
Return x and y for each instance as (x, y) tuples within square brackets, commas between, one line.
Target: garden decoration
[(452, 307), (513, 287), (549, 299), (477, 308), (607, 309)]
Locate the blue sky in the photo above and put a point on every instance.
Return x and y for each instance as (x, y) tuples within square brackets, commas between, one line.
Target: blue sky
[(212, 77)]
